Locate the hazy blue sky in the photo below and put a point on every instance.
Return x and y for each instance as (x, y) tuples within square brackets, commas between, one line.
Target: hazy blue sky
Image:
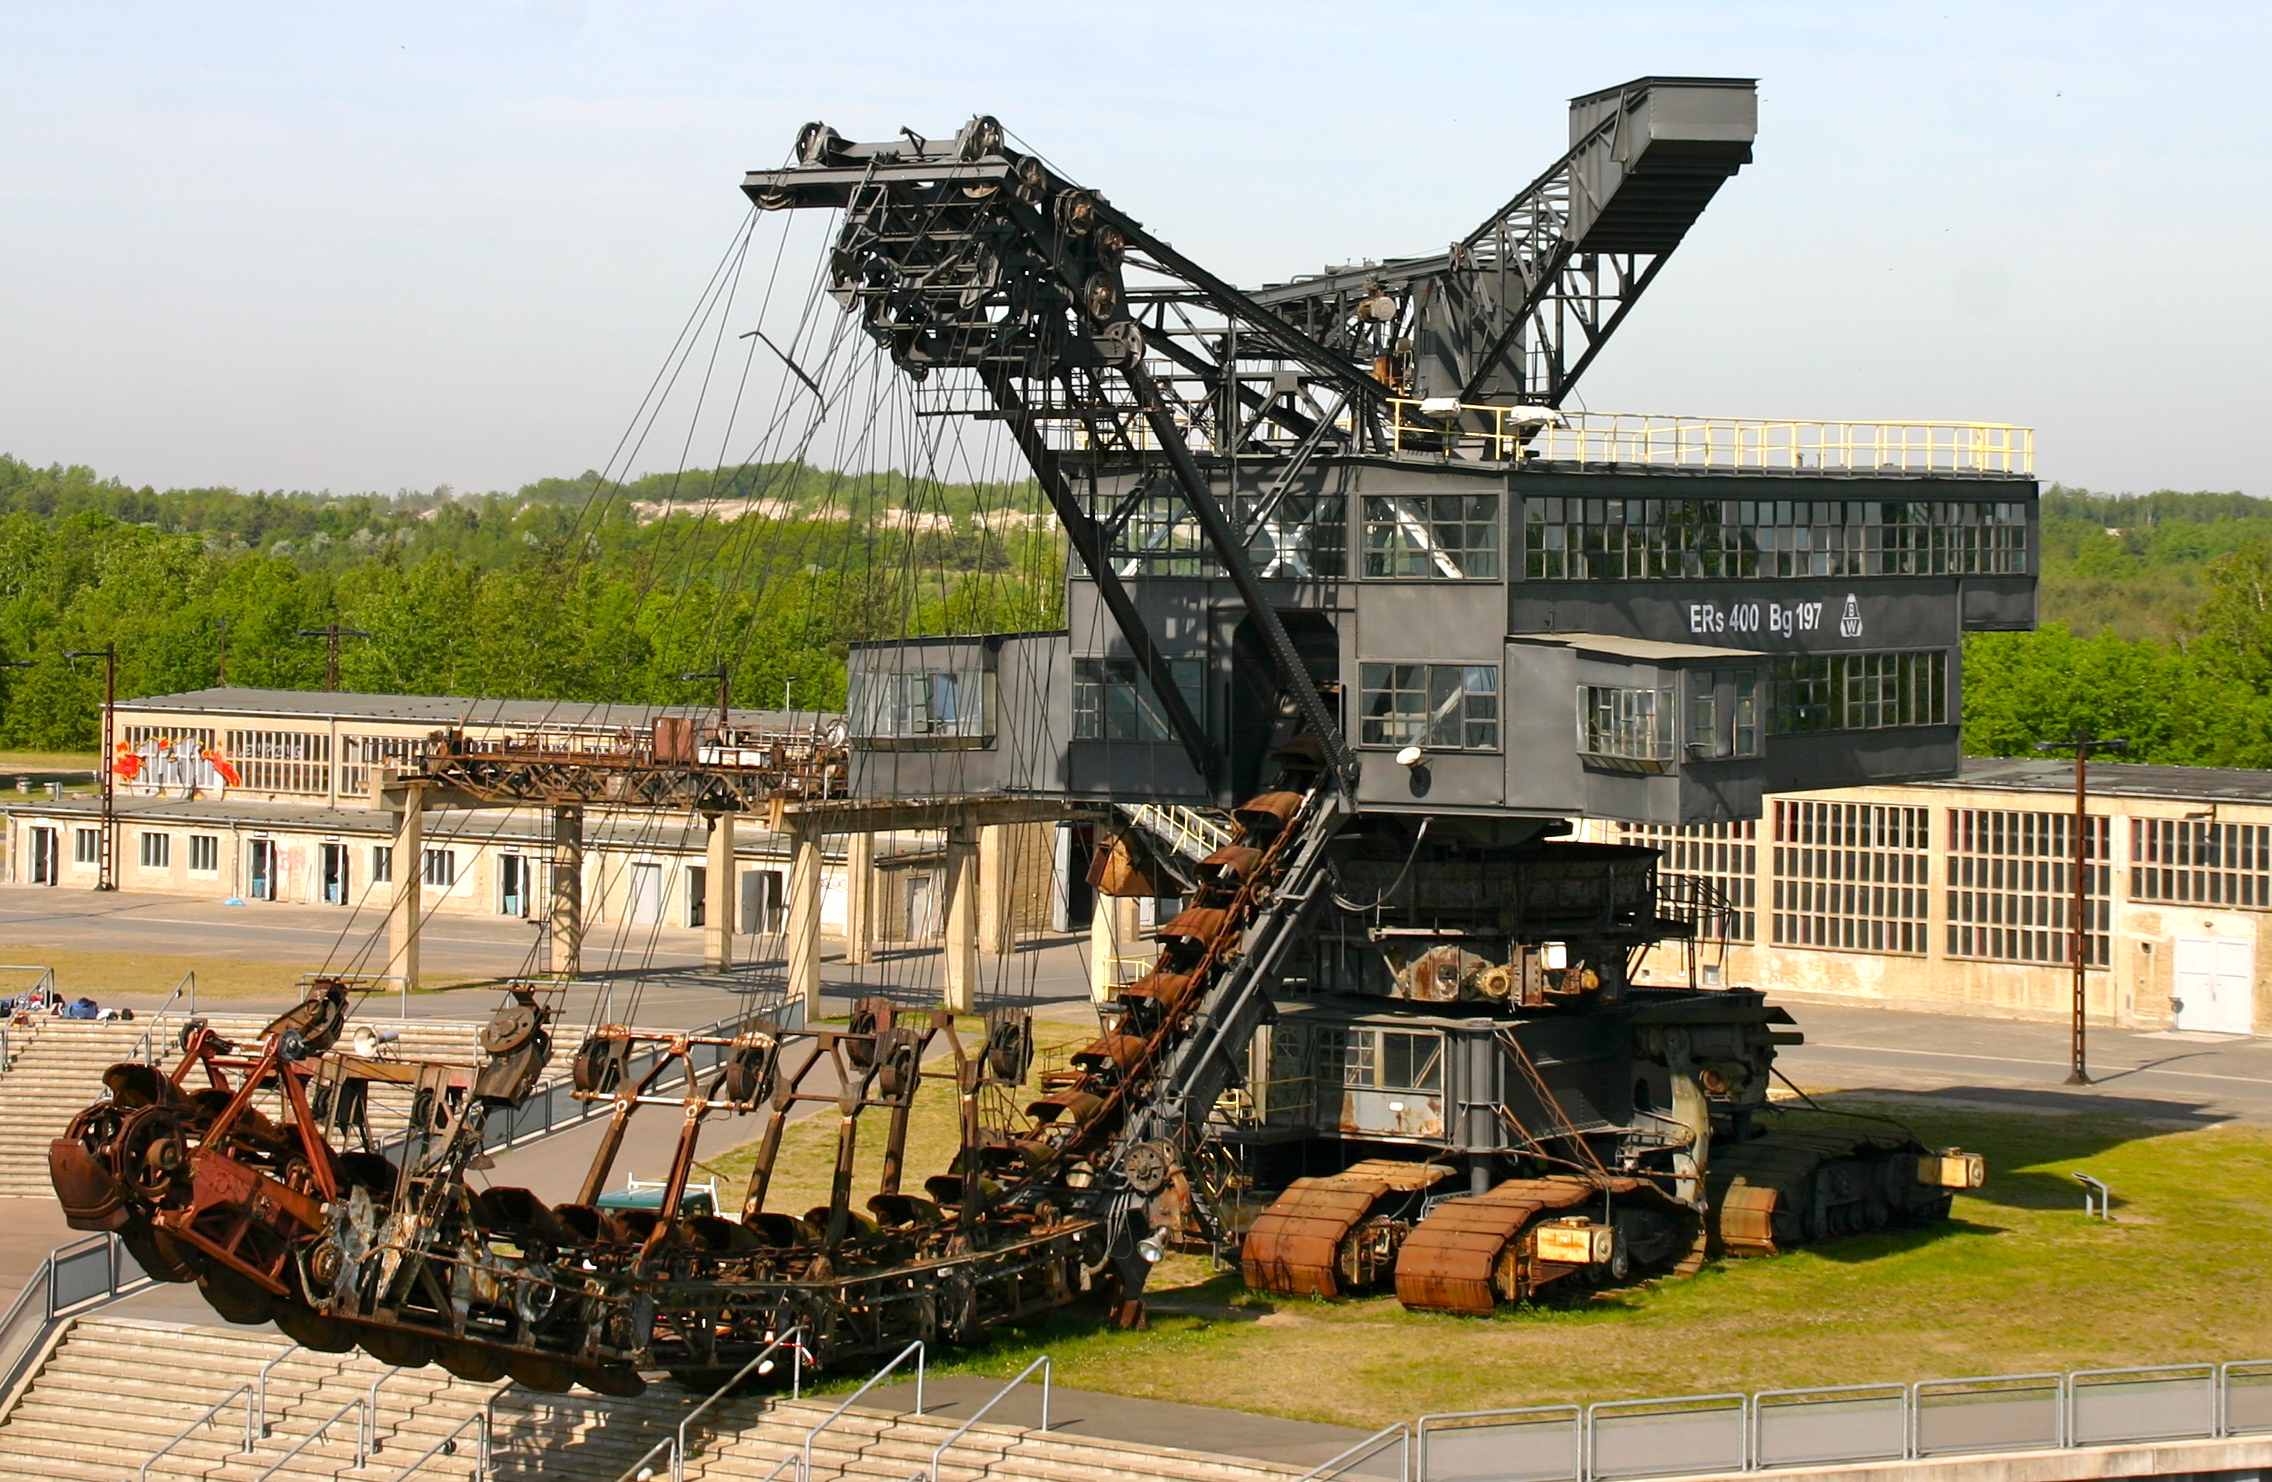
[(380, 246)]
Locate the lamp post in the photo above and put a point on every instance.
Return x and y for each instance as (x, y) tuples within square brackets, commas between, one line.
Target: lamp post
[(106, 877), (221, 664), (2082, 743), (331, 633), (724, 675)]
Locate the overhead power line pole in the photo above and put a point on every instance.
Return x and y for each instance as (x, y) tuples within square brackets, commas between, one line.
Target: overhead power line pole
[(2083, 743), (330, 633), (107, 867)]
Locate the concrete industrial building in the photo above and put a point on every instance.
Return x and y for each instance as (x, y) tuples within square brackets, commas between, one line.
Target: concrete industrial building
[(1955, 895), (281, 795)]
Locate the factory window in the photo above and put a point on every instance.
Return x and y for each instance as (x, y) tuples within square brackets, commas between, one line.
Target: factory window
[(1112, 701), (1306, 535), (1625, 725), (1385, 1059), (359, 754), (382, 864), (1440, 535), (2012, 885), (1720, 858), (282, 761), (1444, 707), (929, 706), (1723, 712), (442, 867), (1568, 539), (1861, 692), (1850, 877), (204, 854), (86, 846), (157, 851), (2190, 862), (1159, 536)]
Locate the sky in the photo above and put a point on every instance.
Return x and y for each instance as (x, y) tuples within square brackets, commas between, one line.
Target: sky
[(392, 247)]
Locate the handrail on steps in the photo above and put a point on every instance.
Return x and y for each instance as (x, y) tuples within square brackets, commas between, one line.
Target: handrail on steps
[(805, 1454), (260, 1387), (448, 1446), (675, 1443), (143, 1475), (1047, 1368), (1399, 1433), (371, 1411), (154, 1038), (361, 1456)]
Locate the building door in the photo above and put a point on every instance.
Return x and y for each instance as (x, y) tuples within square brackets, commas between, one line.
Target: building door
[(262, 885), (760, 902), (646, 895), (47, 856), (2215, 984), (922, 905), (697, 895), (335, 874), (512, 885)]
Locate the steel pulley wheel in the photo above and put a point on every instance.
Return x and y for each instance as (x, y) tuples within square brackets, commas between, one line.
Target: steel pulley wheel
[(870, 1016), (509, 1028), (1029, 180), (1112, 246), (1099, 297), (600, 1064), (149, 1155), (1148, 1166), (1009, 1046), (749, 1071), (899, 1065)]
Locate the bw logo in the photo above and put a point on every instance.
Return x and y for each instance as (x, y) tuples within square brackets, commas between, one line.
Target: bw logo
[(1850, 621)]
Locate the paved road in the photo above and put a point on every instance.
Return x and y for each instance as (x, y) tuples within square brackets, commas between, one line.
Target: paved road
[(2186, 1078)]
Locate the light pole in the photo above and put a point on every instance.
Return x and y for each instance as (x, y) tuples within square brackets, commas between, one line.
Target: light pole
[(724, 676), (221, 665), (106, 877), (2083, 743), (331, 633)]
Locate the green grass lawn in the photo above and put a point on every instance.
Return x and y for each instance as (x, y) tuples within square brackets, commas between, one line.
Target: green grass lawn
[(2018, 1280), (47, 761)]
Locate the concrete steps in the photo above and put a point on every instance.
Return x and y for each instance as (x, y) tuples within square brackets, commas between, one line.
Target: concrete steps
[(116, 1389)]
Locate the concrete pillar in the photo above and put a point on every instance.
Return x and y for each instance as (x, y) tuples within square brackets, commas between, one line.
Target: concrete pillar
[(565, 918), (860, 899), (718, 894), (804, 913), (1116, 930), (999, 848), (409, 871), (961, 968)]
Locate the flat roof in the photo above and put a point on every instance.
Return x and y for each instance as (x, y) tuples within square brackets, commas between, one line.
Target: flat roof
[(2053, 774), (1621, 647), (442, 710)]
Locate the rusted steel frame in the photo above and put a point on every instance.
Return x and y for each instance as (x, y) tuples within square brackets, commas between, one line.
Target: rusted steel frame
[(785, 1095), (1546, 1095), (611, 1141), (849, 1104), (698, 1106), (1235, 914), (895, 1139)]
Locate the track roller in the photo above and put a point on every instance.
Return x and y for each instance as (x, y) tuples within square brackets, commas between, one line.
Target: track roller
[(1470, 1254), (1331, 1237), (1791, 1188)]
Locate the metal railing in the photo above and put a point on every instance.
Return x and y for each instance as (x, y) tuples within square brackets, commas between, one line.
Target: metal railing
[(805, 1452), (260, 1386), (1048, 1370), (1398, 1435), (1619, 1440), (143, 1473), (44, 986), (1725, 444), (371, 1410), (1187, 831), (74, 1278), (448, 1446), (675, 1443), (362, 1422)]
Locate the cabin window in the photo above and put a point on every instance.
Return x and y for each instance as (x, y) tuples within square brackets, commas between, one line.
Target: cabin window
[(1444, 707)]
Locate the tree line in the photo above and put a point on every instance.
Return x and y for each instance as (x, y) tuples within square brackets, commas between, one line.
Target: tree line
[(577, 589), (567, 589)]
